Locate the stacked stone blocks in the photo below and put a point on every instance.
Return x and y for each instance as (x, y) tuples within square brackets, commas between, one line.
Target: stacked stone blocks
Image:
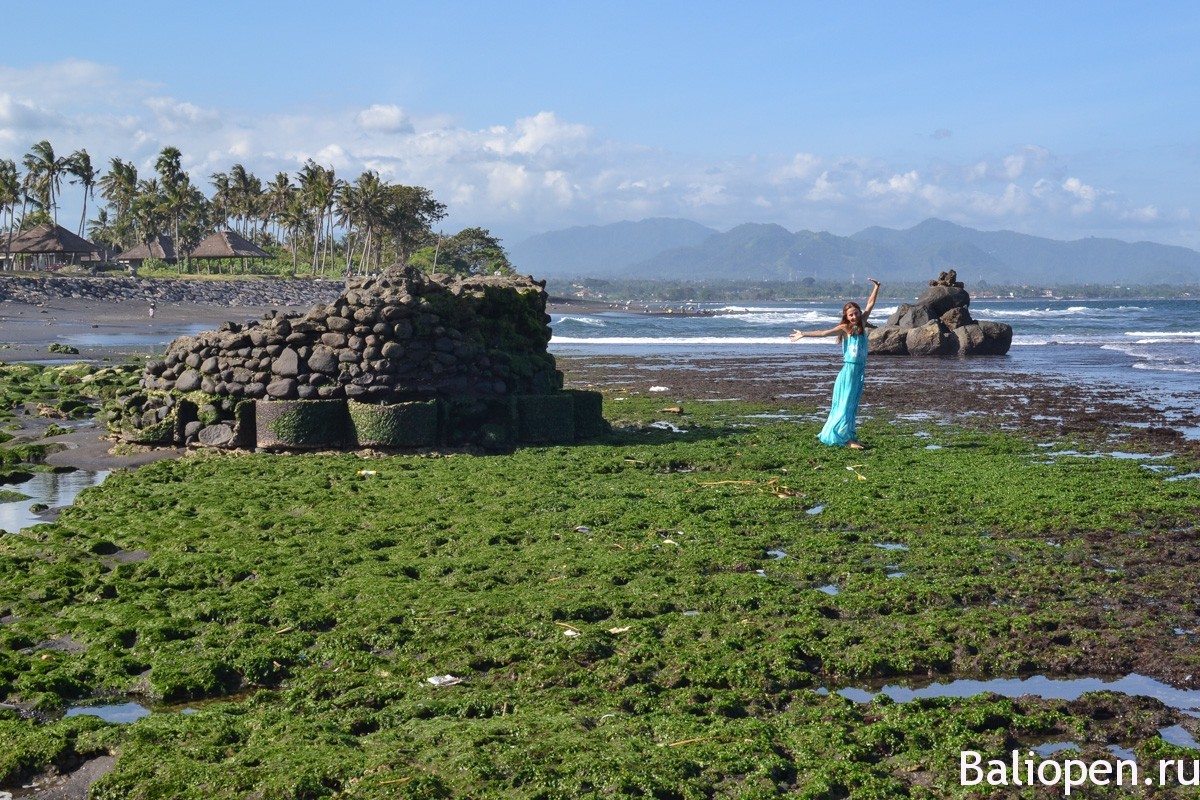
[(402, 359)]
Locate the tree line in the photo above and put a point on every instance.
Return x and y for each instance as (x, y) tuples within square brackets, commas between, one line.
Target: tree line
[(325, 222)]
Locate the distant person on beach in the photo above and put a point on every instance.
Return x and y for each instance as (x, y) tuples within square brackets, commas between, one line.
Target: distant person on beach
[(851, 332), (151, 311)]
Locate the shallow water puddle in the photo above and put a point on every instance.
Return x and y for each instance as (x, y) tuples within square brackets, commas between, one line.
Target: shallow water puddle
[(1188, 476), (1179, 736), (815, 510), (53, 489), (1134, 685), (829, 589), (118, 713), (777, 554), (132, 711), (890, 546)]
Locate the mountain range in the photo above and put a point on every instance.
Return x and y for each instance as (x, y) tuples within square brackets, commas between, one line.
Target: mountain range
[(675, 249)]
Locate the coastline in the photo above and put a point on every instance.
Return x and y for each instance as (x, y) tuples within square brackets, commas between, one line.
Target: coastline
[(983, 390)]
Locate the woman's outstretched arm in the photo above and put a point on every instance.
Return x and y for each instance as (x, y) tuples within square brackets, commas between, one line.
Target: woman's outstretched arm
[(871, 300), (798, 335)]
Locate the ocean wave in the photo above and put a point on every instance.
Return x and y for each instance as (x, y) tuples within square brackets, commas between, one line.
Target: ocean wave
[(1160, 367), (1033, 340), (1165, 334), (1073, 311), (1069, 311), (581, 320), (784, 317), (791, 316), (678, 340)]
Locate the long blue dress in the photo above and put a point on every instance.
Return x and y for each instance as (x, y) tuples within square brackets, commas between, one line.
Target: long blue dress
[(847, 390)]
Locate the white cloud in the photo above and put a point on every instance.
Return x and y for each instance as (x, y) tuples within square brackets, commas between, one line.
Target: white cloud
[(173, 116), (1143, 214), (905, 184), (381, 118), (802, 167), (543, 171), (23, 115)]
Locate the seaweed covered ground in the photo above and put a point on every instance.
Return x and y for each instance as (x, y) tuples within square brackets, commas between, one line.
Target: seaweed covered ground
[(674, 611)]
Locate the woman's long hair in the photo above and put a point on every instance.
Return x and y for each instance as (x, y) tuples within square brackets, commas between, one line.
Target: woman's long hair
[(854, 329)]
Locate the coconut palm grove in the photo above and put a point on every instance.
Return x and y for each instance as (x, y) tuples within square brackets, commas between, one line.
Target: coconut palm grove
[(314, 222)]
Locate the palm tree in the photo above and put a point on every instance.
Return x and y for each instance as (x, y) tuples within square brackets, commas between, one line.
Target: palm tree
[(318, 188), (10, 194), (168, 165), (279, 193), (79, 164), (119, 186), (43, 176), (148, 211), (101, 231), (176, 190), (296, 221), (363, 204), (222, 198)]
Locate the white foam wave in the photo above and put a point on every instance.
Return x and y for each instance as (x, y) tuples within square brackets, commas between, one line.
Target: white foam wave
[(754, 309), (1166, 334), (1160, 367), (1059, 313), (1033, 340), (581, 320), (680, 340), (784, 317), (1072, 311)]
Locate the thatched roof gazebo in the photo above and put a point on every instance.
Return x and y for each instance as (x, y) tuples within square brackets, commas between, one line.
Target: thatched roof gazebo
[(227, 245), (160, 247), (50, 239)]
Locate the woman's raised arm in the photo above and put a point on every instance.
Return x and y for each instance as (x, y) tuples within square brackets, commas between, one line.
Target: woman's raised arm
[(871, 300)]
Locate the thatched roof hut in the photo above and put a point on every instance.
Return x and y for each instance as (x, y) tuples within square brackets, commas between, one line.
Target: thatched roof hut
[(160, 247), (49, 238), (227, 244)]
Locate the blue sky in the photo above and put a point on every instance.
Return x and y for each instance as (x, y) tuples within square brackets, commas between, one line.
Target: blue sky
[(1056, 119)]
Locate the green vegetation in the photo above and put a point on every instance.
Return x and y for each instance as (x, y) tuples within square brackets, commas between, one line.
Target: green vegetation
[(604, 609), (71, 391), (380, 223)]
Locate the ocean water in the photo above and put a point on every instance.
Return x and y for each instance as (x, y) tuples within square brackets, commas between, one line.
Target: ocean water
[(1149, 346)]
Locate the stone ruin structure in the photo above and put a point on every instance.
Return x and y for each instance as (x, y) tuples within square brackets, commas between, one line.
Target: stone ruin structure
[(401, 359), (939, 324)]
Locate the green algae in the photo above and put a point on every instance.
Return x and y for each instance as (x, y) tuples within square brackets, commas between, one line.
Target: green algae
[(612, 609)]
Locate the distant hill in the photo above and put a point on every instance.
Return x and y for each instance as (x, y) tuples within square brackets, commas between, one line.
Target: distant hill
[(1006, 256), (603, 250), (769, 252), (671, 249)]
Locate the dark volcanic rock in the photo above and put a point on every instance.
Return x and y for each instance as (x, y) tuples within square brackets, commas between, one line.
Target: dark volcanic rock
[(402, 334), (939, 324)]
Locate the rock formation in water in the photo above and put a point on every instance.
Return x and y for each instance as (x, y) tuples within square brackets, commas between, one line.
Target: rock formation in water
[(939, 323)]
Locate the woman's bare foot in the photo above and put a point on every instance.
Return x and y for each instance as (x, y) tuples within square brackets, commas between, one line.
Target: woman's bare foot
[(856, 446)]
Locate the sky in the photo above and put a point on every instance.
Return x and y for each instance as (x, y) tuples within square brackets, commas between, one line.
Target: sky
[(1058, 119)]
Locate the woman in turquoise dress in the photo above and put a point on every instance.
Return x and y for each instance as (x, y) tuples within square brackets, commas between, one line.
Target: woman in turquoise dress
[(840, 428)]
